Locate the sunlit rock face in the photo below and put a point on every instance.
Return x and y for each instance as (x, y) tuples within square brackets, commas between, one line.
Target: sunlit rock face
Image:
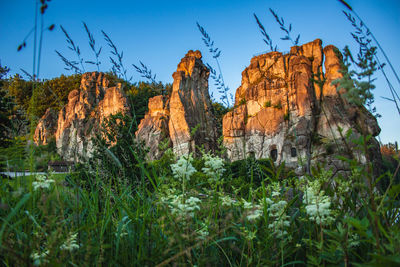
[(78, 122), (186, 117), (46, 127), (282, 111)]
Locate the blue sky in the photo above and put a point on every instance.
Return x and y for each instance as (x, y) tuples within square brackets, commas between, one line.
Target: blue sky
[(159, 33)]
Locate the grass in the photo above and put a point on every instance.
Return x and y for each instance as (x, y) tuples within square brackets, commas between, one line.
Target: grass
[(157, 222)]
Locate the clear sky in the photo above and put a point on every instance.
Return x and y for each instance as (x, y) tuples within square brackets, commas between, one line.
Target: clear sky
[(159, 33)]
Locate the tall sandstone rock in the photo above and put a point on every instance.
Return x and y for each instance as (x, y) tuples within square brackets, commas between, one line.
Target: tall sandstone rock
[(78, 122), (186, 117), (283, 112)]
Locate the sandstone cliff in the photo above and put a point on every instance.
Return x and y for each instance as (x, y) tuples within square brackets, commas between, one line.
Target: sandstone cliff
[(185, 118), (282, 111), (78, 121), (46, 127)]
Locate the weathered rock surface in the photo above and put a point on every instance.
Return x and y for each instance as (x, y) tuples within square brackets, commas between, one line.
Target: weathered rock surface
[(78, 122), (153, 128), (281, 112), (46, 127), (187, 111)]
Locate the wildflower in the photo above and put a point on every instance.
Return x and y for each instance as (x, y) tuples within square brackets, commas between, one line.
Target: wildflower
[(40, 258), (214, 166), (279, 220), (183, 168), (181, 207), (227, 201), (317, 205), (254, 211), (203, 232), (42, 182), (249, 235), (70, 244)]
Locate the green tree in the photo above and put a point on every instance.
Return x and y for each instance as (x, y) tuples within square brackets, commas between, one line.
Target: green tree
[(6, 106)]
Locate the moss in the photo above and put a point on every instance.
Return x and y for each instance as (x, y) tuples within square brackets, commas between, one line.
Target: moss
[(267, 104)]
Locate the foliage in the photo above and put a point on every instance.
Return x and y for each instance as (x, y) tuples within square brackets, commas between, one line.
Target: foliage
[(6, 107)]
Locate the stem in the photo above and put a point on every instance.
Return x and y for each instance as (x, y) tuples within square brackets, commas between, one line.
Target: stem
[(380, 48), (34, 41), (40, 45), (222, 77)]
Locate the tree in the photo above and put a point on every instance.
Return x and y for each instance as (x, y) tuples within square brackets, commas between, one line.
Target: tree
[(6, 106)]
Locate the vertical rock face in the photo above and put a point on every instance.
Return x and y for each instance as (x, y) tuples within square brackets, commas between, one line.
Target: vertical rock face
[(283, 112), (46, 127), (153, 128), (78, 121), (186, 117), (191, 120)]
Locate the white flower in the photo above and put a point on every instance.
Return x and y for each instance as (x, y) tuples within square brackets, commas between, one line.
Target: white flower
[(277, 213), (182, 208), (42, 182), (183, 168), (254, 211), (70, 244), (317, 205), (214, 166), (227, 201), (39, 258)]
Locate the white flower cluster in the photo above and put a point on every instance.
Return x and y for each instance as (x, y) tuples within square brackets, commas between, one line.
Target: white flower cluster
[(183, 168), (214, 166), (181, 207), (254, 211), (227, 201), (70, 244), (40, 258), (42, 182), (277, 213), (317, 204)]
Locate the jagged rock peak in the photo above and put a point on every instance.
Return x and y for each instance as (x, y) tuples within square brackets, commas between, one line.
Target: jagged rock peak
[(186, 117), (188, 62)]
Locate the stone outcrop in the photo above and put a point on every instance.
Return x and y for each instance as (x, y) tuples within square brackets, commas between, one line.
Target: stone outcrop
[(77, 123), (282, 111), (153, 128), (186, 117), (46, 127), (286, 108)]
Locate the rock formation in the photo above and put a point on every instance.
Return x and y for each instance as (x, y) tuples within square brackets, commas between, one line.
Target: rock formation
[(281, 112), (46, 127), (153, 128), (286, 108), (79, 120), (186, 117)]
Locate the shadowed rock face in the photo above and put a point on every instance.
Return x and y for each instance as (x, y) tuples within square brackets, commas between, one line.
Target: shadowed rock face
[(281, 112), (78, 122), (153, 128), (185, 118), (46, 127)]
